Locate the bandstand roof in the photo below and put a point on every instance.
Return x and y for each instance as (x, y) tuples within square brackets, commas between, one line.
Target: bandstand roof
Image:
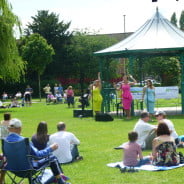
[(156, 37)]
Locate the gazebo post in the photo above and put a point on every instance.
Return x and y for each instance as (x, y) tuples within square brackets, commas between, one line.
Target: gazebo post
[(141, 78), (130, 67), (182, 83), (101, 64)]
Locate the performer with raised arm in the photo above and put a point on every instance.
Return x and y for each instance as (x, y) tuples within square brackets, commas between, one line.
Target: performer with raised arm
[(126, 94)]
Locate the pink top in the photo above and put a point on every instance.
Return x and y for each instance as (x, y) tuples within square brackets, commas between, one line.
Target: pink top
[(69, 92), (131, 152), (126, 91)]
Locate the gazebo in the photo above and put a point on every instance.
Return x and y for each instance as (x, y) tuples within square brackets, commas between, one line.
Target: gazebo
[(157, 37)]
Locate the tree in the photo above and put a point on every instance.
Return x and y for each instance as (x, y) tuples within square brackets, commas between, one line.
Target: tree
[(167, 69), (83, 63), (56, 33), (181, 21), (38, 54), (174, 19), (12, 66), (81, 56)]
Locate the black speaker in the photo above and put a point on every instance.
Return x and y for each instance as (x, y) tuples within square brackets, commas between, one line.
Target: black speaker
[(103, 117), (82, 113)]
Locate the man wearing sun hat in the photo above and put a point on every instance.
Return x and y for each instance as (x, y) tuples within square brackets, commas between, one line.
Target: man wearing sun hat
[(161, 117), (15, 127)]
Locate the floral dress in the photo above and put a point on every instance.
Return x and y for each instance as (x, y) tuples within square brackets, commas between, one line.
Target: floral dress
[(166, 155)]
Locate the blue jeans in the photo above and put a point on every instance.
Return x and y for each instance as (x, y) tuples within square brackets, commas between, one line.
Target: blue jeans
[(143, 161), (53, 163), (74, 151)]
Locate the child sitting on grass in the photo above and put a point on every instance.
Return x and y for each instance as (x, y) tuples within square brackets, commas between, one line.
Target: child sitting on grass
[(132, 151)]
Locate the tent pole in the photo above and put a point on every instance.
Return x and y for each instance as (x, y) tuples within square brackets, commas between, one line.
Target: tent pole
[(101, 66), (131, 71), (182, 83)]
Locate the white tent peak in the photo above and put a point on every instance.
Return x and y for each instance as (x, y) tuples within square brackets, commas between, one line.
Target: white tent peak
[(156, 33)]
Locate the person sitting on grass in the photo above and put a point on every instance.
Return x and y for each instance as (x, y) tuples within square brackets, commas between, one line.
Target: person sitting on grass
[(133, 153), (51, 98), (14, 103), (146, 131), (161, 117), (2, 105), (4, 125), (58, 97), (164, 148), (67, 151), (41, 138)]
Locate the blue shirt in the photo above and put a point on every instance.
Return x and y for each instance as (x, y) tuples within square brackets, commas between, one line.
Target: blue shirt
[(13, 137)]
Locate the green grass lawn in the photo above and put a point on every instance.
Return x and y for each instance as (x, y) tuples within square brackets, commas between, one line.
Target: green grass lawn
[(97, 142)]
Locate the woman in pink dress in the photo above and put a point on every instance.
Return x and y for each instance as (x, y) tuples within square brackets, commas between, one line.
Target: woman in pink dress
[(126, 95)]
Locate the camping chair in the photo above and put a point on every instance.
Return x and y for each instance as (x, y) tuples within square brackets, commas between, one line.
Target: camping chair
[(19, 162)]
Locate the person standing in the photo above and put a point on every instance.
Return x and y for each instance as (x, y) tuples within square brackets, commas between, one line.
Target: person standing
[(60, 89), (126, 94), (149, 97), (96, 95), (67, 144), (28, 95), (46, 90), (70, 96), (55, 89)]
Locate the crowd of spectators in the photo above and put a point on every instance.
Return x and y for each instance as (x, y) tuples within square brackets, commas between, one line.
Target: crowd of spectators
[(60, 147)]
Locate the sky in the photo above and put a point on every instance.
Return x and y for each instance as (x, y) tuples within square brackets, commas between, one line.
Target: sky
[(102, 16)]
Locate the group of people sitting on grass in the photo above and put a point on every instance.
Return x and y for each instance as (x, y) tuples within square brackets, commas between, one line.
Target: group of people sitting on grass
[(14, 103), (26, 99), (60, 147), (60, 95), (161, 138)]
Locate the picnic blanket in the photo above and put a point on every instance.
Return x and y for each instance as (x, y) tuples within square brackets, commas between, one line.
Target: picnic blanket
[(145, 167)]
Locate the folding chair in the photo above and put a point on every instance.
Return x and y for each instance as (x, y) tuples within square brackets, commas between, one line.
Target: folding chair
[(19, 162), (119, 107)]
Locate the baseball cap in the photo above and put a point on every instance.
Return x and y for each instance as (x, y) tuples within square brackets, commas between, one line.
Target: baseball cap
[(160, 113), (15, 123)]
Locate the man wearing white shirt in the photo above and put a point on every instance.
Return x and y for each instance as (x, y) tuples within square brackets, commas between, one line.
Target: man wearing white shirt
[(67, 144), (161, 117), (143, 128)]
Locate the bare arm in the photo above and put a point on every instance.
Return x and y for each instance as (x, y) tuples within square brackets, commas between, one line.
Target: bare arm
[(144, 91), (154, 145), (140, 155), (100, 82), (99, 76), (134, 81)]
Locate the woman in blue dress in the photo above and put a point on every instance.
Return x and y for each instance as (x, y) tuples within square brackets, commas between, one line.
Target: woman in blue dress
[(149, 96)]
